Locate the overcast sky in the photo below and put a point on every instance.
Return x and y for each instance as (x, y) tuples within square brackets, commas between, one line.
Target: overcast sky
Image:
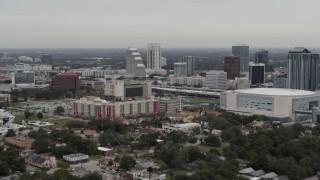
[(173, 23)]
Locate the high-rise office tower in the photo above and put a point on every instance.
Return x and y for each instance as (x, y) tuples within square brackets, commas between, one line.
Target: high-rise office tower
[(154, 56), (242, 51), (232, 67), (180, 69), (134, 63), (190, 64), (262, 56), (46, 59), (256, 73), (303, 69)]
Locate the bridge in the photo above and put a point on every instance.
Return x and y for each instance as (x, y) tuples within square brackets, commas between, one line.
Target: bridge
[(188, 92)]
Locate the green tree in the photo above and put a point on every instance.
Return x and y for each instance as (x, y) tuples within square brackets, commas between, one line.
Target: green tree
[(63, 165), (59, 110), (41, 145), (10, 133), (150, 171), (40, 115), (212, 140), (63, 174), (192, 139), (27, 114), (127, 162), (178, 136), (4, 168)]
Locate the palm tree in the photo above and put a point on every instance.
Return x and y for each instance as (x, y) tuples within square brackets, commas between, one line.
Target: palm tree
[(150, 170)]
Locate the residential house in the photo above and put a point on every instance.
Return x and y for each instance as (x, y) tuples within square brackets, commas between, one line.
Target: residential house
[(41, 161)]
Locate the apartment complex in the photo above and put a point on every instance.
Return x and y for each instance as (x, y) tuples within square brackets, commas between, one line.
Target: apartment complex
[(101, 109)]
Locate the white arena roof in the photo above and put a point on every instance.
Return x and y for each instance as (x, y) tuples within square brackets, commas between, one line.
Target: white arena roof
[(275, 92)]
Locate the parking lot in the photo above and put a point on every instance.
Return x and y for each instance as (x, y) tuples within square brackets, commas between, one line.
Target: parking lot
[(92, 166)]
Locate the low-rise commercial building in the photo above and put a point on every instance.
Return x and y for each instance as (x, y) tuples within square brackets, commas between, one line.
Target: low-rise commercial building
[(97, 72), (19, 142), (76, 158), (31, 89), (190, 81), (186, 127)]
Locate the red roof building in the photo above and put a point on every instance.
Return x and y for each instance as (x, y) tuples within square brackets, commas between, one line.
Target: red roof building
[(89, 132)]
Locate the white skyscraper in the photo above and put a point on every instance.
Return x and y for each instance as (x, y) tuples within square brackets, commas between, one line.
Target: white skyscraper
[(154, 56), (134, 63)]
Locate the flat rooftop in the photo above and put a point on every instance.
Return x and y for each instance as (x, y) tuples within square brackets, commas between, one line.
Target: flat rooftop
[(275, 92)]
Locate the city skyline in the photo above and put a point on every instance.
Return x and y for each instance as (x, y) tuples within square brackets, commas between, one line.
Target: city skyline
[(187, 23)]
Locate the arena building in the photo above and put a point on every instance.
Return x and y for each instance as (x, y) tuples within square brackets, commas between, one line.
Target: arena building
[(271, 102)]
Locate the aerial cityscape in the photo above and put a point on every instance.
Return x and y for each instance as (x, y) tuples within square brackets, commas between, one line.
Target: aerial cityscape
[(160, 90)]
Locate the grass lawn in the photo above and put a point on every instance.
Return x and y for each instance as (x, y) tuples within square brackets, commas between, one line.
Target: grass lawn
[(223, 145), (161, 163), (18, 118), (177, 172), (201, 100), (59, 123), (206, 149)]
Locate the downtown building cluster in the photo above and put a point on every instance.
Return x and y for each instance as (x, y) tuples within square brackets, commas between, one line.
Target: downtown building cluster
[(294, 95)]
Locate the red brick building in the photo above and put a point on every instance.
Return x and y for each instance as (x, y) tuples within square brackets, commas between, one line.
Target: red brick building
[(32, 90), (66, 82), (232, 67)]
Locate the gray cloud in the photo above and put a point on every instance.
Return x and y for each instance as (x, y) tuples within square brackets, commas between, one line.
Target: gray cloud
[(173, 23)]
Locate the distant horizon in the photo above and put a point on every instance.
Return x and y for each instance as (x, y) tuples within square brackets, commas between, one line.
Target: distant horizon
[(253, 47)]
